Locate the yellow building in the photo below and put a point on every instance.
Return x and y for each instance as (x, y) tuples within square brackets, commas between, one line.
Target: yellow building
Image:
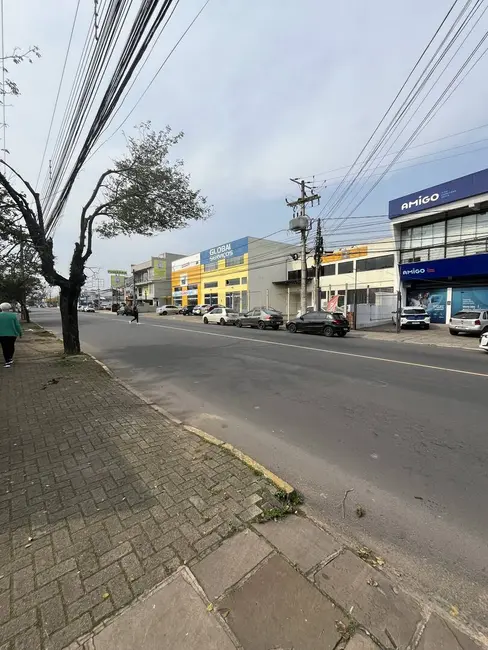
[(186, 281)]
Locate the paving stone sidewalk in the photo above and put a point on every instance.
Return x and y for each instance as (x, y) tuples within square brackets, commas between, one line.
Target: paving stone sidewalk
[(101, 497), (122, 530)]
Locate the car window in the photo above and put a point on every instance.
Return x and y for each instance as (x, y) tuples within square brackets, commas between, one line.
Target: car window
[(467, 314), (272, 312), (216, 311), (312, 315), (338, 315)]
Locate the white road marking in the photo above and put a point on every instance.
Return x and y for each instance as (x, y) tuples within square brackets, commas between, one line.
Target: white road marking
[(322, 350)]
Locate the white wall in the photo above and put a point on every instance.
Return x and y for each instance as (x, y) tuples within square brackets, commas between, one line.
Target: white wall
[(378, 314)]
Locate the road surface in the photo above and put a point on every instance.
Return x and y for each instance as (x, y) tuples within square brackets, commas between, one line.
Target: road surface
[(404, 426)]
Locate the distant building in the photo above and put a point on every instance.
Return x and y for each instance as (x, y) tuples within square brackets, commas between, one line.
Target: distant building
[(239, 274), (153, 280)]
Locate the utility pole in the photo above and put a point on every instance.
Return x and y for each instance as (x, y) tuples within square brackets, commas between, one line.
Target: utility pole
[(399, 312), (319, 251), (301, 223)]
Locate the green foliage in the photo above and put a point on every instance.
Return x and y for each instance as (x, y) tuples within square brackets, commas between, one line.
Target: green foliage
[(147, 193)]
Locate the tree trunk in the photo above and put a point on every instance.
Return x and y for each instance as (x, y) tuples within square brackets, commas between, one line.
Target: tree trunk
[(68, 305)]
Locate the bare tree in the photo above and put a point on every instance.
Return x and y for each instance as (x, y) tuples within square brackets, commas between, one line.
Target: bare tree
[(143, 193)]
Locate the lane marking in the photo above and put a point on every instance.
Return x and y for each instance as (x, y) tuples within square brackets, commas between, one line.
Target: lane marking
[(322, 350)]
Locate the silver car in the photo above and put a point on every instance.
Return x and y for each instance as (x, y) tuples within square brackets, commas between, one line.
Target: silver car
[(470, 321)]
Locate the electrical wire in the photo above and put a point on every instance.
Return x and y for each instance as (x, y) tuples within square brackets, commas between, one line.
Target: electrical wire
[(58, 92)]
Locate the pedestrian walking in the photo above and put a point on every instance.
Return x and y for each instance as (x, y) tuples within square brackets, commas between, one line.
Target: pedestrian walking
[(135, 313), (9, 331)]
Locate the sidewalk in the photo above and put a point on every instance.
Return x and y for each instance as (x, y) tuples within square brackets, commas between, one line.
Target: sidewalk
[(120, 529)]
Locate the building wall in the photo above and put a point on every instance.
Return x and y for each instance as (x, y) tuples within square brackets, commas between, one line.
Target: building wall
[(153, 279), (442, 237), (224, 274), (268, 263), (346, 273), (186, 281)]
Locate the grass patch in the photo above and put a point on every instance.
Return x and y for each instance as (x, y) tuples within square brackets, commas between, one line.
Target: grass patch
[(287, 505)]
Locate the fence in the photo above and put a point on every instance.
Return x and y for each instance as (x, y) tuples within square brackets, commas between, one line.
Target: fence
[(378, 314)]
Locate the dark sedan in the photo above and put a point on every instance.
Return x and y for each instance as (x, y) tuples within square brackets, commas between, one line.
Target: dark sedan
[(261, 317), (320, 322)]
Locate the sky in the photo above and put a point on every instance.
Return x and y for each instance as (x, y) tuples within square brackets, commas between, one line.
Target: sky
[(264, 92)]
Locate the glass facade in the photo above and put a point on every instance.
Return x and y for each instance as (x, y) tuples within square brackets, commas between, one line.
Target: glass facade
[(457, 237)]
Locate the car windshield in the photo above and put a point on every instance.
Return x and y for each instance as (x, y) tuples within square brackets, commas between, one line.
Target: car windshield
[(414, 311), (467, 314), (272, 312), (337, 315)]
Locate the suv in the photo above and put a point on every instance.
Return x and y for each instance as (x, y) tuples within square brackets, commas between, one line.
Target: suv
[(164, 310), (261, 317), (416, 317), (320, 322), (470, 321)]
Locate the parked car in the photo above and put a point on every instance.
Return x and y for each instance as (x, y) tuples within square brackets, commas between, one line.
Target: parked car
[(416, 317), (89, 308), (166, 310), (221, 316), (472, 321), (199, 310), (125, 310), (327, 323), (484, 342), (261, 317), (186, 311)]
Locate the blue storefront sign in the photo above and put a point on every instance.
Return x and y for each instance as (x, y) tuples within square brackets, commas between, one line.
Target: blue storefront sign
[(433, 301), (469, 298), (432, 197), (446, 268), (231, 249)]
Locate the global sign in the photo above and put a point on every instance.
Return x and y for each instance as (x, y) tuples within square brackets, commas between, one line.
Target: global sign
[(230, 249), (455, 190)]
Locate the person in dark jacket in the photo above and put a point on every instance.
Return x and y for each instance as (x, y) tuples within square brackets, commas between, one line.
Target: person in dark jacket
[(9, 331), (135, 313)]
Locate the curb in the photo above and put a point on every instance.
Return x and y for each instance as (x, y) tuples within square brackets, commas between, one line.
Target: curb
[(207, 437)]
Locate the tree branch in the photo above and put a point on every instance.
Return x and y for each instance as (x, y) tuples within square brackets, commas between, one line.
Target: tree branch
[(31, 190)]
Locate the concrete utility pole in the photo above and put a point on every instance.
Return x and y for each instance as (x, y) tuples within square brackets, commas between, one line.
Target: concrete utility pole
[(301, 223), (319, 251)]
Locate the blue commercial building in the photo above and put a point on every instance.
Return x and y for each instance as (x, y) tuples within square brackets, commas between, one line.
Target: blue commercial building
[(441, 235)]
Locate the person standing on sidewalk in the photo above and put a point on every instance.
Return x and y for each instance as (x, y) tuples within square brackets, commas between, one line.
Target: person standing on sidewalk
[(9, 331), (135, 313)]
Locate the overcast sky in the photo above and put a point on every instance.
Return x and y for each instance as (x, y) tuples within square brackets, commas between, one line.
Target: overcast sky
[(264, 91)]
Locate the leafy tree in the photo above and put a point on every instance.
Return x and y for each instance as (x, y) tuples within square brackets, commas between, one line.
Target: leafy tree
[(143, 193), (19, 280)]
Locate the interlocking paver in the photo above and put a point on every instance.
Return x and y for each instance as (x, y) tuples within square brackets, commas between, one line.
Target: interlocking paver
[(105, 497)]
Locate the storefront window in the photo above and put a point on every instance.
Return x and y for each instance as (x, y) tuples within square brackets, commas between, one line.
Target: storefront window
[(244, 302), (211, 298), (213, 266), (233, 300)]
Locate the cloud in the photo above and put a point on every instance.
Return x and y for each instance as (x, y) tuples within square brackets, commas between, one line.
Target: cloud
[(264, 91)]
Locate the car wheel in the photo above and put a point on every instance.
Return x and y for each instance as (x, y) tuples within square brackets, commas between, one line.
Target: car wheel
[(165, 313), (453, 332), (292, 328), (222, 322), (205, 320), (238, 323), (341, 333), (261, 325), (484, 330), (328, 331)]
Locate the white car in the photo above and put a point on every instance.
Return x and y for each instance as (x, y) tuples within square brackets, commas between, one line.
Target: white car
[(89, 309), (167, 310), (221, 316), (415, 317), (484, 342)]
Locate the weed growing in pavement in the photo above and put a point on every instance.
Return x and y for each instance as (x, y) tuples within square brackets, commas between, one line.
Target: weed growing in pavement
[(287, 505)]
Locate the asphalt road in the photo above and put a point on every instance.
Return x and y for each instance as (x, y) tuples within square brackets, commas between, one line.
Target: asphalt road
[(404, 426)]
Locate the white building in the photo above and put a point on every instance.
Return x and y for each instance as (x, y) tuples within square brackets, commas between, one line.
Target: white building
[(153, 280), (356, 274)]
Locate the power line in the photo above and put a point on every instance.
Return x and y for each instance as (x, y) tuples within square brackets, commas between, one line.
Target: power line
[(59, 90), (149, 84)]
